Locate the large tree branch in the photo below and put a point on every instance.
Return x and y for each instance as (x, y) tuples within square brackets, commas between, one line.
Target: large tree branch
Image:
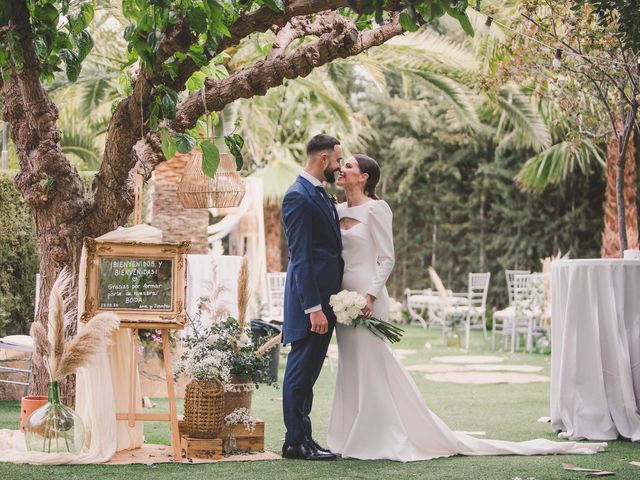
[(300, 27), (112, 187), (343, 42)]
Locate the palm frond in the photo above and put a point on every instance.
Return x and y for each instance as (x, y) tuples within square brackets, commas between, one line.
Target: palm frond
[(557, 162), (517, 112), (458, 97)]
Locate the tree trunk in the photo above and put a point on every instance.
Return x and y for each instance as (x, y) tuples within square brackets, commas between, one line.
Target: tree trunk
[(273, 236), (611, 233)]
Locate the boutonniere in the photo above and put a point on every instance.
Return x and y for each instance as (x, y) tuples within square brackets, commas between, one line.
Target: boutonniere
[(333, 199)]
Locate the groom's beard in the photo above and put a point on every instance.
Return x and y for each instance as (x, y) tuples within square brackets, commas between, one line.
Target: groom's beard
[(330, 176)]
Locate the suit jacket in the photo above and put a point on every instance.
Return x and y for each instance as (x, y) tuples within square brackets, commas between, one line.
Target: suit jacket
[(315, 263)]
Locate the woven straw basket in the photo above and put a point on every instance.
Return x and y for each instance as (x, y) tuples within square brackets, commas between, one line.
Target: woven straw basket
[(204, 408), (237, 396), (196, 190)]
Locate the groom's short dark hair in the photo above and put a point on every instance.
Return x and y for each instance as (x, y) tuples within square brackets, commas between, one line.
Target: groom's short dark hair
[(321, 142)]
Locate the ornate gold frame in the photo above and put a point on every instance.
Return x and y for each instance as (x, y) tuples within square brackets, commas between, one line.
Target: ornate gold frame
[(174, 318)]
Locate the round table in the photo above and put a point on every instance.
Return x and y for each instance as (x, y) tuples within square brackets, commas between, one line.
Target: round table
[(595, 348)]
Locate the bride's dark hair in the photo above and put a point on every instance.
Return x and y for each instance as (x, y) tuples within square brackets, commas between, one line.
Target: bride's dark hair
[(369, 166)]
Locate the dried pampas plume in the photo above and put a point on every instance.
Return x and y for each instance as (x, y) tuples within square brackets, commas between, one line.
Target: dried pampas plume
[(95, 336), (59, 359), (41, 343), (243, 292), (269, 345), (56, 317)]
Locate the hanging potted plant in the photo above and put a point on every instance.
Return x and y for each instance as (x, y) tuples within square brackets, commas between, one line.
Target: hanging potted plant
[(54, 427)]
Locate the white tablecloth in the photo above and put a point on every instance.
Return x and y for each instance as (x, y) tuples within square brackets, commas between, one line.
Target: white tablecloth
[(595, 340)]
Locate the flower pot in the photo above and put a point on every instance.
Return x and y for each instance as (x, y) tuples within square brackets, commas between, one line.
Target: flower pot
[(28, 405), (54, 427), (238, 394)]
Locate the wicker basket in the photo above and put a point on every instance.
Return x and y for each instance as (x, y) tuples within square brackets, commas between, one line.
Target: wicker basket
[(196, 190), (204, 408), (238, 395)]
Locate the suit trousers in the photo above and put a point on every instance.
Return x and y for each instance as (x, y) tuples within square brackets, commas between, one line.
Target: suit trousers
[(303, 368)]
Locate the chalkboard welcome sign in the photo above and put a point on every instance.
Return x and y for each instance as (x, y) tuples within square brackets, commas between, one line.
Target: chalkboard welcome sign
[(143, 282)]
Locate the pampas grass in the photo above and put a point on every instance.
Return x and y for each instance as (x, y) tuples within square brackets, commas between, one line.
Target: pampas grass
[(59, 359), (56, 322), (269, 345), (95, 336), (243, 293)]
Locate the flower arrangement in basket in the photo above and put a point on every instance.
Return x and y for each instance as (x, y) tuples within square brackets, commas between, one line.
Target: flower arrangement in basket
[(225, 352), (54, 427)]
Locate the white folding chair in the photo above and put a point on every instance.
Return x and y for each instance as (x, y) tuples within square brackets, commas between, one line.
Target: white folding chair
[(529, 301), (502, 318), (417, 304), (275, 296), (477, 307)]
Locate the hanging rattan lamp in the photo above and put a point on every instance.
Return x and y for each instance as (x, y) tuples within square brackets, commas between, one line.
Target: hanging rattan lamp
[(196, 190)]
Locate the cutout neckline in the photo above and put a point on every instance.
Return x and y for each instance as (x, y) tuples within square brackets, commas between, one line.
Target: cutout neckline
[(355, 224)]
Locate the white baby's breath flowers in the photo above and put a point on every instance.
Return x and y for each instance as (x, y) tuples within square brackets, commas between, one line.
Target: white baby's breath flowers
[(244, 339), (241, 415)]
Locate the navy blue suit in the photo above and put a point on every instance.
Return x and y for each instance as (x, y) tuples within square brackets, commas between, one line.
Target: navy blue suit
[(314, 274)]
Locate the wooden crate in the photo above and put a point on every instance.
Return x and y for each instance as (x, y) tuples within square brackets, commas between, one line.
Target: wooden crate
[(209, 448), (245, 440)]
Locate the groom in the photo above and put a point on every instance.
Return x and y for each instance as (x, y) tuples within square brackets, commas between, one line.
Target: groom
[(314, 274)]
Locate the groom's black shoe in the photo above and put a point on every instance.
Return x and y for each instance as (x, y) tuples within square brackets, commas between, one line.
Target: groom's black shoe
[(318, 448), (305, 451)]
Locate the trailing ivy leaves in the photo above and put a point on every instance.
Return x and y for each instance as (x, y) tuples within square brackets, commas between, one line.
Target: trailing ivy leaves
[(16, 49), (84, 42), (185, 142), (275, 5), (72, 62), (459, 14), (168, 144), (210, 158), (234, 143), (407, 22)]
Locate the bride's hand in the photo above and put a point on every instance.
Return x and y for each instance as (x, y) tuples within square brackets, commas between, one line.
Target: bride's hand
[(368, 310)]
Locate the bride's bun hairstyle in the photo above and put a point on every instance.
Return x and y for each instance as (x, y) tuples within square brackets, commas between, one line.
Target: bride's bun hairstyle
[(369, 166)]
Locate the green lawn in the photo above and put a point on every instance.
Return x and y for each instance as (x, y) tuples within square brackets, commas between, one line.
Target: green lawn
[(506, 412)]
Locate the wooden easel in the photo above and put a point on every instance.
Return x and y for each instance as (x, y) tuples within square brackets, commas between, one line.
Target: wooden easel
[(172, 417)]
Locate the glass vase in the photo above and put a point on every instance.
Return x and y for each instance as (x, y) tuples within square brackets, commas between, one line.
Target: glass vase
[(452, 338), (54, 427)]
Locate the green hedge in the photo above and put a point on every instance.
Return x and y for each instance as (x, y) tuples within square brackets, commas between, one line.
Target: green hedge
[(18, 260), (18, 257)]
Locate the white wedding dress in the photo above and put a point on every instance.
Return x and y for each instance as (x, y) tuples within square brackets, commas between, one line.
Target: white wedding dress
[(378, 412)]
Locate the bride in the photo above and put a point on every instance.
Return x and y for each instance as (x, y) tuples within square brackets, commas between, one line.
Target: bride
[(378, 412)]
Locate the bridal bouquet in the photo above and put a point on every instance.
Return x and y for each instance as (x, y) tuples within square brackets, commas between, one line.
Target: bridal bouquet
[(348, 307)]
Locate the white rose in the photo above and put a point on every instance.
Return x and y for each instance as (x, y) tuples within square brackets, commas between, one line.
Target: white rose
[(354, 312), (213, 339), (343, 318), (337, 303)]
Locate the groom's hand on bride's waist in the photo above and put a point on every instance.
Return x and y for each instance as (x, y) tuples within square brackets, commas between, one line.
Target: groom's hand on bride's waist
[(319, 322)]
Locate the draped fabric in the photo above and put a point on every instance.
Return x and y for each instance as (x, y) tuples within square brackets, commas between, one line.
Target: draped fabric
[(595, 340)]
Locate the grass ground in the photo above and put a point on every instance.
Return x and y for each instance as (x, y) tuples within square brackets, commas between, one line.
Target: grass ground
[(506, 412)]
